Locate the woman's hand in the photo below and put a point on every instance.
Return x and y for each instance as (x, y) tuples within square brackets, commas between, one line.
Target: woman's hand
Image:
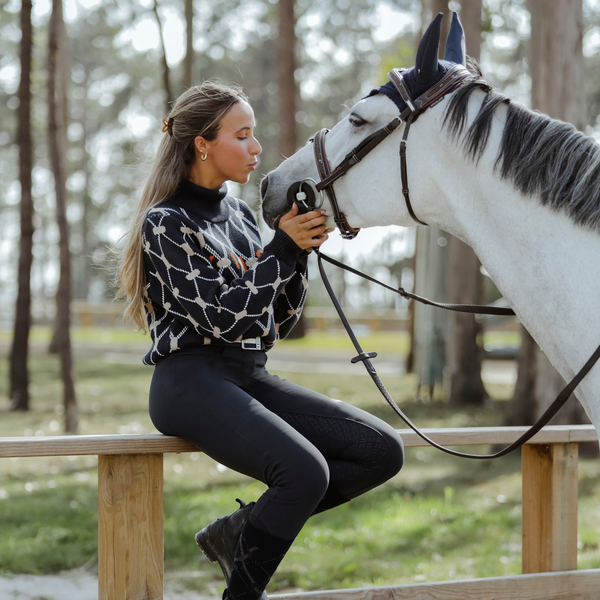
[(307, 230)]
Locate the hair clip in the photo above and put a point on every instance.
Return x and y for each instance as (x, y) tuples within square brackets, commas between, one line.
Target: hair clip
[(168, 126)]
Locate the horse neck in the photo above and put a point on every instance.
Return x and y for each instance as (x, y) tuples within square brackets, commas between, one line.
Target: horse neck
[(544, 265)]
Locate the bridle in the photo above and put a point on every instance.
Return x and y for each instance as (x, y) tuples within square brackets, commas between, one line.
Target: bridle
[(413, 109)]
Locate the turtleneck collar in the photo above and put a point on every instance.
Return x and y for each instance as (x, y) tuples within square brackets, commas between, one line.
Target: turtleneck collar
[(206, 203)]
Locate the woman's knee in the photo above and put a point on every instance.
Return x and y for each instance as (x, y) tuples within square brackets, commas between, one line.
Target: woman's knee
[(396, 452), (308, 475), (395, 449)]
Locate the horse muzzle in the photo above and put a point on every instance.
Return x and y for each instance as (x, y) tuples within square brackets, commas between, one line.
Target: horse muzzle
[(304, 193)]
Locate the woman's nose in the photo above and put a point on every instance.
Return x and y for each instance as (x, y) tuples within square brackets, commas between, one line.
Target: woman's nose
[(256, 148)]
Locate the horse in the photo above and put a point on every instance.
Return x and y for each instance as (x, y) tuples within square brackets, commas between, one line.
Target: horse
[(522, 189)]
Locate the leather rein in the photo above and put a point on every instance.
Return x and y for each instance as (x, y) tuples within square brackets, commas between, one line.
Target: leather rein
[(413, 108)]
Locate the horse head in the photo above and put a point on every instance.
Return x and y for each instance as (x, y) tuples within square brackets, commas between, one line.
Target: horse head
[(378, 175)]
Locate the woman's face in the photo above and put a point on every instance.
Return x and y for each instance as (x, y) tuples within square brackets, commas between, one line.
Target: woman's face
[(231, 156)]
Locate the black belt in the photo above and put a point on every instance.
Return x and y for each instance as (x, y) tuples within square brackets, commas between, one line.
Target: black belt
[(255, 343)]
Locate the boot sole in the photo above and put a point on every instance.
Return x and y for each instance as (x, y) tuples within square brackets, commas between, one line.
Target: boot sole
[(205, 550), (212, 557)]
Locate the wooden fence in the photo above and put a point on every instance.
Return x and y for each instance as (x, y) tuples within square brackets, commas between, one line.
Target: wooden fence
[(318, 317), (130, 516)]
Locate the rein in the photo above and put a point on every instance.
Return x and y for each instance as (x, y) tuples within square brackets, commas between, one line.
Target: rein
[(328, 177), (365, 358)]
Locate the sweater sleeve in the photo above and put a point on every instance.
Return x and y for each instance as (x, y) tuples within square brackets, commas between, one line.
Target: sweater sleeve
[(193, 288), (290, 302)]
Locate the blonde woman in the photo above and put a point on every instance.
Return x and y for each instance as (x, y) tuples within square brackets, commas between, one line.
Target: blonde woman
[(196, 274)]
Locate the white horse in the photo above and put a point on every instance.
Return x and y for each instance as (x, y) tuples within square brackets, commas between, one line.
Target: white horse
[(521, 189)]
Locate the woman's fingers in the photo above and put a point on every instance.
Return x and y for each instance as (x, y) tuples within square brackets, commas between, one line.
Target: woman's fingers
[(308, 230), (293, 212)]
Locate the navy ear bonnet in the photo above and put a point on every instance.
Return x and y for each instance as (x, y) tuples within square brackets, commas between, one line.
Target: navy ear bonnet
[(415, 88), (430, 69)]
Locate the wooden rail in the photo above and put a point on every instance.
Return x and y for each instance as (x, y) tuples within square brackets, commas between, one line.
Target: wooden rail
[(130, 515)]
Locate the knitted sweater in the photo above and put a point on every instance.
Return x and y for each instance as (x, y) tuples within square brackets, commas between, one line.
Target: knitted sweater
[(208, 278)]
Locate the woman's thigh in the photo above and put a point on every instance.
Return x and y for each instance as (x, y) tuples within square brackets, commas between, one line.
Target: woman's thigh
[(337, 429), (200, 398)]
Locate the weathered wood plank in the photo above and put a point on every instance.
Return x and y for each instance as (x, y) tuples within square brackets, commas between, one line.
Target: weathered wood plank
[(93, 444), (130, 527), (550, 507), (570, 585), (161, 444)]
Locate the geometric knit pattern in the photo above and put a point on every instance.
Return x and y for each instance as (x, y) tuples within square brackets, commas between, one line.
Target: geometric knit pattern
[(208, 278)]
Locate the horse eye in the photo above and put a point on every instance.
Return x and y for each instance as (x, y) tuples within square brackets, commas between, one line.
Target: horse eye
[(356, 120)]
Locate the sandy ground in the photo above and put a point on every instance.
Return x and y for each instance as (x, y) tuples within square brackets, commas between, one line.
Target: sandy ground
[(72, 585)]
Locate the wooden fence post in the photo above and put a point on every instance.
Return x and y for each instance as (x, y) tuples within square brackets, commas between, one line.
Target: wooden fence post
[(549, 507), (130, 527)]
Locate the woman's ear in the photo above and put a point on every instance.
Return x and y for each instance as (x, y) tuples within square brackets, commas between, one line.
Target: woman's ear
[(200, 144)]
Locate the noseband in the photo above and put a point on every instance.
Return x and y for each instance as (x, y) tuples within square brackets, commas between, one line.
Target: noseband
[(413, 109)]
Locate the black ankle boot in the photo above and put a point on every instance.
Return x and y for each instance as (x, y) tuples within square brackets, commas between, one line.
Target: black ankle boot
[(219, 540), (256, 559)]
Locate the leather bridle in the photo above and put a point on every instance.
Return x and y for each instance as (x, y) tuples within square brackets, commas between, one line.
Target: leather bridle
[(413, 109)]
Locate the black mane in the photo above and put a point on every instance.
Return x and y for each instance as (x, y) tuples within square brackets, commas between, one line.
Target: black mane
[(539, 155)]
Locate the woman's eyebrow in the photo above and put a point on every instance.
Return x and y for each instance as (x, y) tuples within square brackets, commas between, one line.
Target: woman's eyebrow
[(243, 129)]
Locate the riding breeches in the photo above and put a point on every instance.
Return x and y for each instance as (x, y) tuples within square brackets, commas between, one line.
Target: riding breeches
[(312, 452)]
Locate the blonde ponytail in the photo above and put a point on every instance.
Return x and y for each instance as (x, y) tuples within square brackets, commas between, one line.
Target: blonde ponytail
[(197, 112)]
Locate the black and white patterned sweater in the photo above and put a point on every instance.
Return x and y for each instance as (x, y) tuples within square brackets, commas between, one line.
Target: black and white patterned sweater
[(208, 278)]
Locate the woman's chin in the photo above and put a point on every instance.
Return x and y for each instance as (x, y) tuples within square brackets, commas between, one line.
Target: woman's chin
[(241, 179)]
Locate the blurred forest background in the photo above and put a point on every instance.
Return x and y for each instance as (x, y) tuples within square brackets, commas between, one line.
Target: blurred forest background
[(85, 84)]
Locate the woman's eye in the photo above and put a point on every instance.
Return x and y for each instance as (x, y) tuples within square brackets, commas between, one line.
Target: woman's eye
[(243, 138), (356, 120)]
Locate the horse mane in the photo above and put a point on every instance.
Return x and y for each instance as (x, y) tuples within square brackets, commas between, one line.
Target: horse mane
[(539, 155)]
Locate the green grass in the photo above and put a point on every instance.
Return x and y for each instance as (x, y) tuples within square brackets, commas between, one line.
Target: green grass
[(441, 518)]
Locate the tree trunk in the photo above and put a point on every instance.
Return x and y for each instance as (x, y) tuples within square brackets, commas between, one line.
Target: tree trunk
[(19, 373), (464, 346), (521, 410), (431, 324), (288, 92), (556, 68), (441, 6), (166, 70), (287, 81), (56, 139), (86, 220), (470, 16), (556, 60), (427, 356), (410, 359), (188, 62)]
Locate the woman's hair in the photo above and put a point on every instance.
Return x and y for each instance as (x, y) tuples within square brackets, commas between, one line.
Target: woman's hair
[(197, 112)]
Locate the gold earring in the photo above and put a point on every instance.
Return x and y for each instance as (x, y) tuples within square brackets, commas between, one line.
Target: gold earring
[(203, 156)]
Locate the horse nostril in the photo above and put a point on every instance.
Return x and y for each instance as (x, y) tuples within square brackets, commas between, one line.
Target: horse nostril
[(264, 184)]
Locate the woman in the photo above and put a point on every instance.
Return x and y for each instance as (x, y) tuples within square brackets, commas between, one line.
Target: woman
[(214, 299)]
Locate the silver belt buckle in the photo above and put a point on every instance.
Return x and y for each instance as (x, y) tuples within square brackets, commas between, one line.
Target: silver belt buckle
[(252, 344)]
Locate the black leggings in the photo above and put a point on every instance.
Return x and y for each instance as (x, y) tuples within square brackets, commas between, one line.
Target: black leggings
[(313, 452)]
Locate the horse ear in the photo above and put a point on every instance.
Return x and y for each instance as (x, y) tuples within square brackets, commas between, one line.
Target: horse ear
[(456, 51), (426, 65)]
